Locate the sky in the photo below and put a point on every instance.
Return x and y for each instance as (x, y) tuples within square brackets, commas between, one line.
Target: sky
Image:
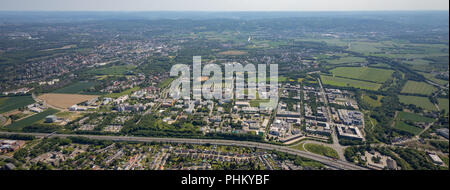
[(221, 5)]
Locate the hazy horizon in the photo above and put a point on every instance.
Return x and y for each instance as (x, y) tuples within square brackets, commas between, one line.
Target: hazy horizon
[(225, 5)]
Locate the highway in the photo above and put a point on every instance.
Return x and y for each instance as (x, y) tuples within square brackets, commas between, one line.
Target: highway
[(335, 164)]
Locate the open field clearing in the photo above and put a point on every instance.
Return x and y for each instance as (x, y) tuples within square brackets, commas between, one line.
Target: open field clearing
[(76, 88), (443, 104), (233, 52), (364, 73), (344, 82), (372, 102), (126, 92), (322, 150), (11, 103), (432, 78), (31, 120), (64, 101), (114, 70), (419, 101), (407, 116), (400, 125), (413, 87), (343, 60)]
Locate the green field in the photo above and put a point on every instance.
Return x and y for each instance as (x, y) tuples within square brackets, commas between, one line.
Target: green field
[(419, 101), (129, 91), (364, 73), (400, 125), (11, 103), (31, 120), (344, 82), (413, 87), (343, 60), (432, 78), (76, 88), (407, 116), (322, 150), (299, 147), (443, 104), (372, 102), (114, 70)]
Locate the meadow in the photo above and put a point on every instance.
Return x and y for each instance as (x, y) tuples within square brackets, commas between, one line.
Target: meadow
[(419, 101), (402, 126), (344, 82), (343, 60), (77, 88), (11, 103), (443, 104), (413, 87), (126, 92), (432, 78), (364, 73), (407, 116), (372, 102), (31, 120), (114, 70)]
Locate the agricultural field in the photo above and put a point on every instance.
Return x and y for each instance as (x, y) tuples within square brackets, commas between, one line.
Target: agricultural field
[(322, 150), (30, 120), (443, 104), (11, 103), (419, 101), (344, 60), (407, 116), (344, 82), (114, 70), (432, 78), (413, 87), (400, 125), (64, 101), (76, 88), (419, 65), (364, 73)]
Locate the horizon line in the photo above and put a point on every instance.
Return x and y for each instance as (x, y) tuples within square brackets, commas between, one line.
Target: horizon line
[(384, 10)]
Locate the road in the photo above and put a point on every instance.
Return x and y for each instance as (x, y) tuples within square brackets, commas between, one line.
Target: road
[(336, 164), (338, 147)]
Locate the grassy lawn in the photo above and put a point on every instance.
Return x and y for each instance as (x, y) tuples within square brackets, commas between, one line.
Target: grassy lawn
[(443, 104), (344, 82), (31, 120), (419, 101), (11, 103), (414, 87), (322, 150), (407, 116), (76, 88), (400, 125), (129, 91), (299, 147), (364, 73)]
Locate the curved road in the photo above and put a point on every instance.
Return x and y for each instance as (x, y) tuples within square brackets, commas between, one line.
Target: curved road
[(336, 164)]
